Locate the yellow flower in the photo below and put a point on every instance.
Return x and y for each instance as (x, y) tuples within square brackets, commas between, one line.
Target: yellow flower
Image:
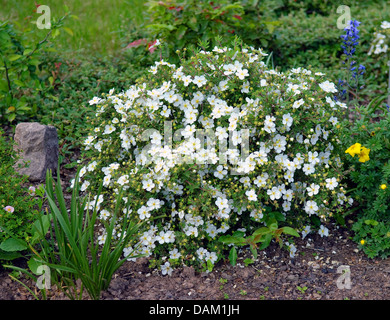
[(362, 242), (383, 186), (363, 155), (354, 149)]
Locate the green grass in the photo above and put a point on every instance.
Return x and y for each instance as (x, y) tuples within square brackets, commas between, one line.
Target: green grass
[(100, 26)]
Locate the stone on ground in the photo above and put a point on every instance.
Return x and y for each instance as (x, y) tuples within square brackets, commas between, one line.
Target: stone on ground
[(37, 145)]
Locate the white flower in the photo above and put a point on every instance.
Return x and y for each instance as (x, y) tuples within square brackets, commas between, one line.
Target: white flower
[(331, 183), (311, 207), (292, 249), (251, 195), (385, 25), (220, 172), (211, 256), (328, 86), (286, 205), (242, 73), (104, 214), (298, 103), (313, 157), (109, 128), (95, 100), (92, 166), (287, 120), (154, 204), (166, 268), (84, 186), (323, 231), (305, 232), (162, 237), (222, 203), (143, 213), (123, 180), (200, 81), (148, 185), (174, 254), (89, 140), (83, 171), (223, 85), (274, 193), (201, 252), (313, 189), (192, 231), (102, 239), (245, 87), (308, 168), (106, 180), (186, 80)]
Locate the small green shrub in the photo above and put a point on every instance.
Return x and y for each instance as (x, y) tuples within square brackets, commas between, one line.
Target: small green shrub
[(24, 77), (373, 237), (19, 208), (371, 131)]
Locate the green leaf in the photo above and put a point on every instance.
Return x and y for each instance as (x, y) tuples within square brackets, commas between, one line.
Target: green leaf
[(266, 242), (371, 222), (232, 240), (68, 31), (272, 224), (261, 231), (33, 264), (210, 265), (192, 23), (254, 251), (34, 62), (40, 227), (180, 32), (290, 231), (11, 245), (27, 51), (233, 256), (248, 261), (19, 83), (14, 57), (11, 117), (4, 255), (160, 26)]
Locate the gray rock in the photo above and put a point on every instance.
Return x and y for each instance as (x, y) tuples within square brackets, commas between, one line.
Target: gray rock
[(38, 146)]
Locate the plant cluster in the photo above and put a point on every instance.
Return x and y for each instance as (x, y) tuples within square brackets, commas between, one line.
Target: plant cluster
[(19, 205), (151, 139), (24, 76), (380, 44), (369, 138), (372, 237)]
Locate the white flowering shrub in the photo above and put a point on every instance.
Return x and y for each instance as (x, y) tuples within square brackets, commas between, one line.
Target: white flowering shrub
[(380, 43), (214, 145)]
